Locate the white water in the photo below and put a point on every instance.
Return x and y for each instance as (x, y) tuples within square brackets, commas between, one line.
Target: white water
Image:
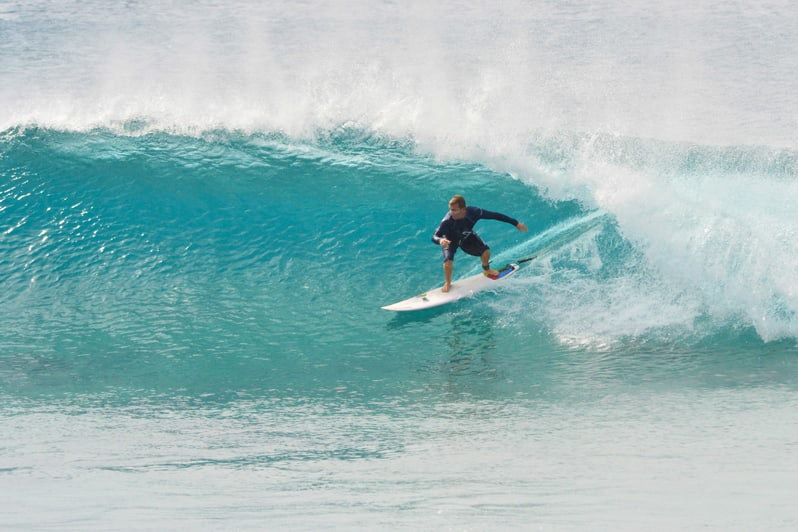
[(449, 74)]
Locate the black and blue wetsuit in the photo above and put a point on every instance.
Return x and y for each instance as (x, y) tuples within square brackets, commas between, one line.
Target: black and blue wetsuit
[(461, 232)]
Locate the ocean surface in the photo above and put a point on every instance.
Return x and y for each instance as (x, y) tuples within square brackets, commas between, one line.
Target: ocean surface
[(203, 206)]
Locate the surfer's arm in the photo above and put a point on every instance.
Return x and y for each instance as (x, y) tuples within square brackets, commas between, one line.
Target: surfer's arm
[(439, 236), (490, 215)]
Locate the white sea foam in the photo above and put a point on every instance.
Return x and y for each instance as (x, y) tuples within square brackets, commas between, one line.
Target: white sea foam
[(455, 77)]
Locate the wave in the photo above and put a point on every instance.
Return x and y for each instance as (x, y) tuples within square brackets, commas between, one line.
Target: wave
[(706, 232)]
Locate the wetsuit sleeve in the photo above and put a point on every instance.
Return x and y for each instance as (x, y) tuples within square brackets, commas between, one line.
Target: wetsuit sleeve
[(490, 215), (440, 231)]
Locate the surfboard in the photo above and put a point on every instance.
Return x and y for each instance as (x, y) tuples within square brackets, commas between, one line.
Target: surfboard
[(462, 288)]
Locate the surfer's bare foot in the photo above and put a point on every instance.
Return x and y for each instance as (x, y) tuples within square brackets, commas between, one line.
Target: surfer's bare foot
[(446, 287), (491, 273)]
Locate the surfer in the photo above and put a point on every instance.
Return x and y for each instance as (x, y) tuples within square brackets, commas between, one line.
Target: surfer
[(456, 231)]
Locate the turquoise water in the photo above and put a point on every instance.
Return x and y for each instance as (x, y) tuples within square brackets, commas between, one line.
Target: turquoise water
[(202, 210)]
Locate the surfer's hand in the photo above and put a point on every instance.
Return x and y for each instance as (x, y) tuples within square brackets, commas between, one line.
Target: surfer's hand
[(445, 242), (522, 226)]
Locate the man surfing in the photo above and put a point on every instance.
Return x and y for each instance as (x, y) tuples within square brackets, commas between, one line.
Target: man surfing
[(456, 231)]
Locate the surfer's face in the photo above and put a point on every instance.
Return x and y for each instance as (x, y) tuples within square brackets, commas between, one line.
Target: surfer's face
[(457, 212)]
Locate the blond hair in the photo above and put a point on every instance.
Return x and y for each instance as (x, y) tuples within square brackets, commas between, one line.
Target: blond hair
[(458, 200)]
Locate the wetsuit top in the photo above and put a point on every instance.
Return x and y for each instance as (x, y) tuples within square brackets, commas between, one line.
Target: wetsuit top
[(457, 230)]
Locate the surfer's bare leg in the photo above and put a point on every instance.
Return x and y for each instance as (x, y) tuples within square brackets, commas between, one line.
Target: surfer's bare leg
[(487, 270), (448, 268)]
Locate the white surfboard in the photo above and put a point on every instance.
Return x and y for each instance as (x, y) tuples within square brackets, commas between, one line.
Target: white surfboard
[(460, 289)]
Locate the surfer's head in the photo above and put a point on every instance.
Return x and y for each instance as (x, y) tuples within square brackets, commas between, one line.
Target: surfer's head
[(457, 200), (457, 207)]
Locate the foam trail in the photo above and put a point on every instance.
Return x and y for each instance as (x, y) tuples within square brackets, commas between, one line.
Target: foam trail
[(560, 235)]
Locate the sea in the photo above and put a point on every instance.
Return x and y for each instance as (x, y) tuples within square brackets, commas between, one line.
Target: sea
[(204, 205)]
